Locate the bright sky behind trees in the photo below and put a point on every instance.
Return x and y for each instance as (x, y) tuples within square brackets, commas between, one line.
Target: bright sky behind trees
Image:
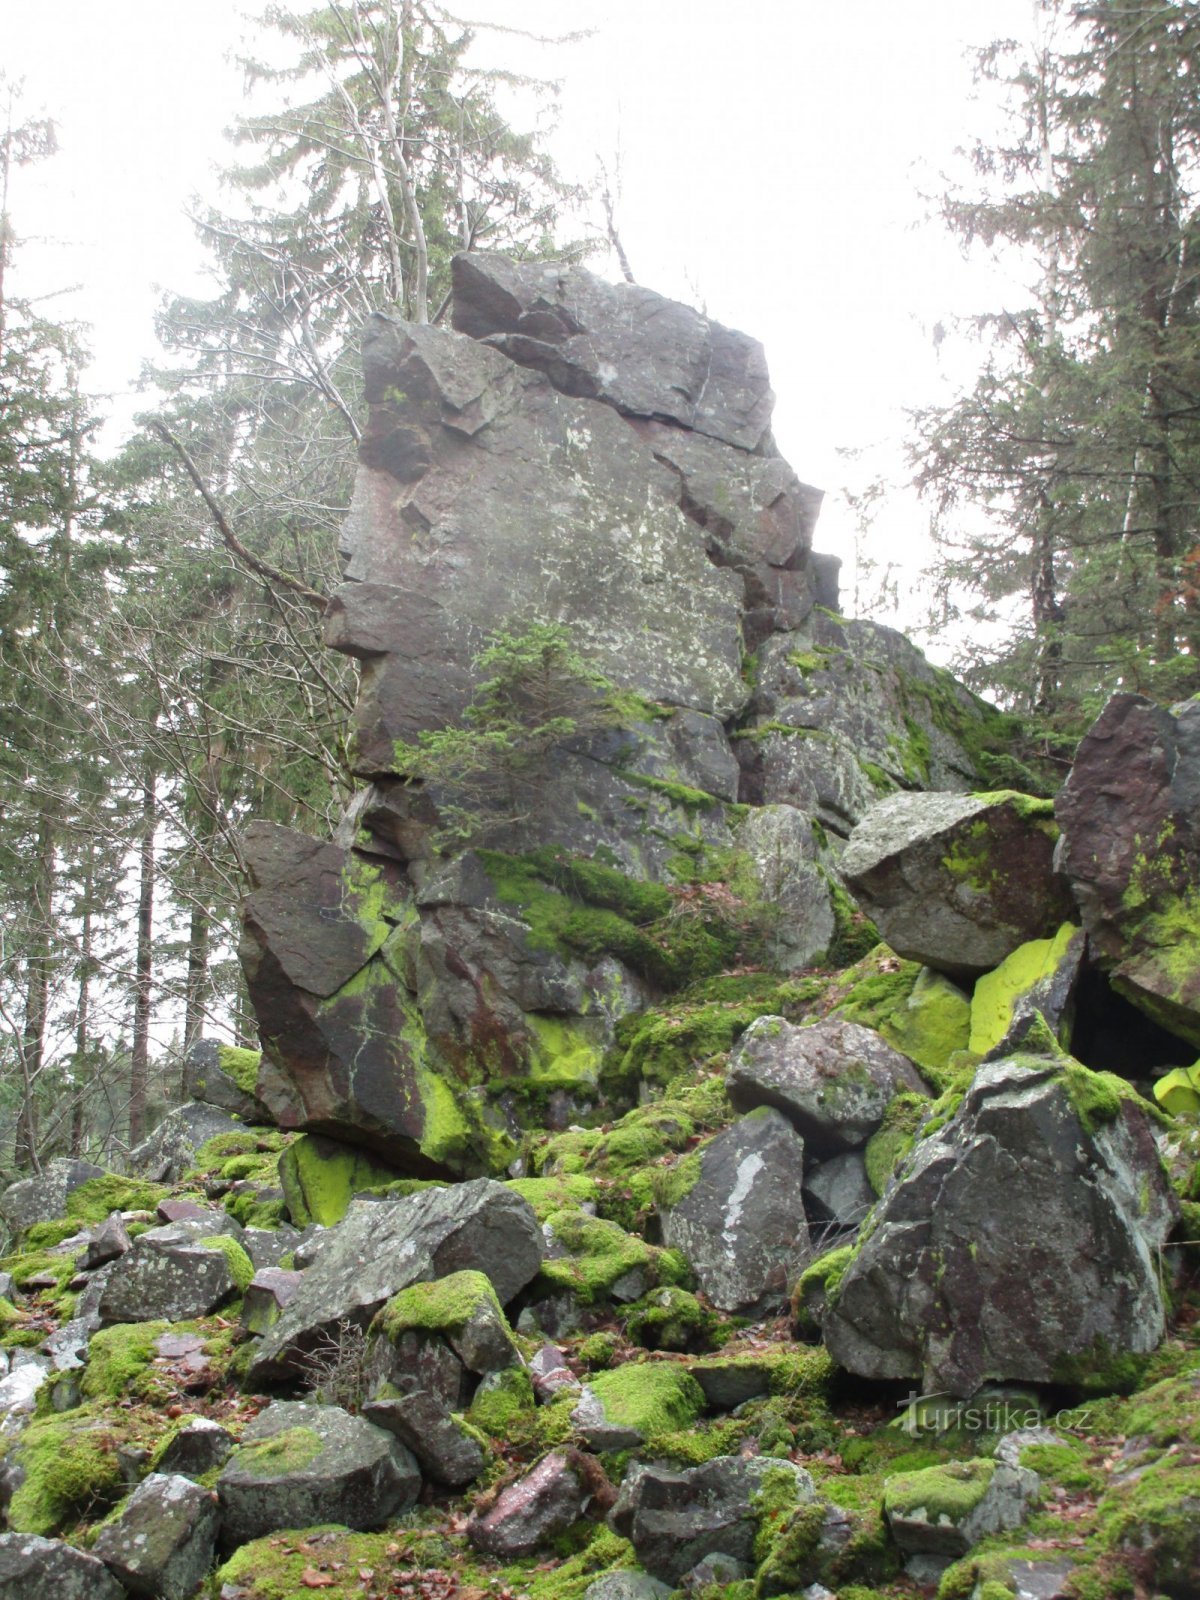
[(771, 157)]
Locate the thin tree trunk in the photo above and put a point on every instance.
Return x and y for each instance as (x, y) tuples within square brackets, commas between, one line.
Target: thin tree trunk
[(37, 994), (83, 1006), (139, 1057)]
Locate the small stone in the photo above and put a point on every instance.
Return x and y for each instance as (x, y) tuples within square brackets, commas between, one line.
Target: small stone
[(267, 1294), (536, 1509), (198, 1447), (447, 1451), (550, 1373), (108, 1241)]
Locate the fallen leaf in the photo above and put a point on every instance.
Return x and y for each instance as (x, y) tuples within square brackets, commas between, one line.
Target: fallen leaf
[(312, 1579)]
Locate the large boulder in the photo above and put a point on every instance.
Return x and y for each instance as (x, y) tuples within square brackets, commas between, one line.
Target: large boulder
[(1130, 818), (384, 1247), (957, 882), (162, 1542), (833, 1080), (1021, 1235), (300, 1464), (741, 1223), (169, 1274), (167, 1153)]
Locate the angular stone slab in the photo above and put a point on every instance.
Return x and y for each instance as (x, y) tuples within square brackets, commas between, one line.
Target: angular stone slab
[(32, 1568), (1016, 1238), (676, 1519), (944, 1510), (619, 343), (382, 1248), (300, 1464), (957, 882), (833, 1080), (160, 1279), (446, 1450), (1130, 818), (742, 1226), (167, 1153), (162, 1542), (536, 1509)]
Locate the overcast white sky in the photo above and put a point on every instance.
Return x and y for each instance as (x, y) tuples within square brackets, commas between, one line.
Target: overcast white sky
[(773, 155)]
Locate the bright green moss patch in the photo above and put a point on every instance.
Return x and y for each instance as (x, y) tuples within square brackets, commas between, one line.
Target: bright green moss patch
[(46, 1235), (241, 1268), (222, 1146), (997, 993), (547, 1195), (320, 1177), (817, 1286), (945, 1493), (121, 1357), (1178, 1092), (601, 1255), (653, 1397), (70, 1469), (501, 1401), (919, 1012), (94, 1200), (240, 1065), (565, 1055), (444, 1303), (289, 1451), (672, 1319)]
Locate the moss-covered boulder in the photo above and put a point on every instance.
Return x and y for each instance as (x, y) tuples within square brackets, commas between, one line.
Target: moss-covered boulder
[(225, 1075), (1131, 850), (918, 1011), (463, 1309), (635, 1404), (44, 1198), (1023, 1231), (299, 1463), (958, 882), (944, 1510), (1038, 979)]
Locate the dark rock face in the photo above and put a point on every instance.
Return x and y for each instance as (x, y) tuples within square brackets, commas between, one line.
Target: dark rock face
[(1022, 1233), (1130, 818), (160, 1277), (445, 1449), (532, 1511), (381, 1249), (742, 1226), (957, 882)]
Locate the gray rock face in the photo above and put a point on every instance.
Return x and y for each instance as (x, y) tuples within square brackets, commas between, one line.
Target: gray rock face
[(619, 343), (446, 1450), (1131, 848), (197, 1448), (795, 872), (161, 1278), (44, 1198), (841, 1189), (626, 1586), (167, 1153), (32, 1568), (1016, 1238), (833, 1080), (742, 1226), (956, 882), (162, 1543), (269, 1291), (534, 1510), (300, 1464), (380, 1249), (843, 712), (676, 1519)]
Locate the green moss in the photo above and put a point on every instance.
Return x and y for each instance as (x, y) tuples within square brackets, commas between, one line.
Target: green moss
[(94, 1200), (672, 1184), (501, 1401), (70, 1469), (222, 1146), (445, 1303), (46, 1235), (1178, 1092), (320, 1178), (997, 993), (240, 1065), (652, 1396), (120, 1357), (894, 1137), (679, 794), (241, 1268), (918, 1011), (671, 1319), (854, 935), (601, 1254), (548, 1195), (565, 1055), (1097, 1097), (1100, 1370), (950, 1492), (822, 1279), (599, 1350), (289, 1451)]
